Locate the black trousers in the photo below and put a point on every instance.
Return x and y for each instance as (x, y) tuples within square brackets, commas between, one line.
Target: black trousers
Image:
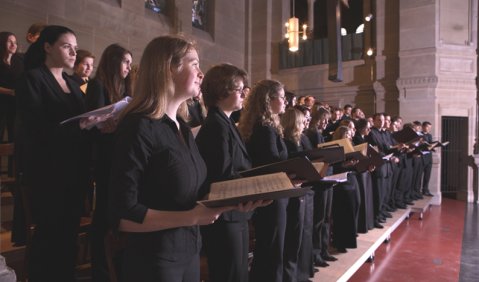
[(140, 265), (346, 203), (426, 177), (305, 256), (54, 249), (270, 231), (323, 204), (294, 233), (226, 244)]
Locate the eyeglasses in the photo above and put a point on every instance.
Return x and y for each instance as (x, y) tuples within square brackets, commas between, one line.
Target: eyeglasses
[(238, 90)]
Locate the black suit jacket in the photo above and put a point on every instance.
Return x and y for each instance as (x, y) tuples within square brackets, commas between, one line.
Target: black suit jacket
[(224, 152), (56, 155), (427, 158)]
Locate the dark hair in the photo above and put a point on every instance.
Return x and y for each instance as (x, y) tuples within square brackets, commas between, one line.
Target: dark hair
[(396, 118), (360, 124), (347, 106), (302, 109), (219, 81), (36, 28), (108, 72), (289, 97), (416, 123), (82, 54), (426, 123), (36, 55), (3, 43)]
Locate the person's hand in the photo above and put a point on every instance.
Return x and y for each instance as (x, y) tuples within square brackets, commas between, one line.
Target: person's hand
[(108, 126), (371, 168), (203, 215), (250, 206), (89, 122), (349, 163)]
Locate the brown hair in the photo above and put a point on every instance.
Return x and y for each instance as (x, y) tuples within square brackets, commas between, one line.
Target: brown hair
[(82, 54), (154, 85), (108, 72), (219, 81), (258, 108)]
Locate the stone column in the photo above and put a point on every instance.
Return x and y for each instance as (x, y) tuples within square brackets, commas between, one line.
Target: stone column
[(437, 55)]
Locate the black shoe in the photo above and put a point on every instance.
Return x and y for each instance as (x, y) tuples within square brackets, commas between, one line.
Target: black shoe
[(386, 214), (392, 208), (401, 206), (321, 263), (328, 257), (381, 220), (427, 193), (409, 203), (378, 225), (342, 250)]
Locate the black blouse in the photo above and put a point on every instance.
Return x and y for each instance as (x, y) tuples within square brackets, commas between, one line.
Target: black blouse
[(266, 146), (224, 152), (156, 166)]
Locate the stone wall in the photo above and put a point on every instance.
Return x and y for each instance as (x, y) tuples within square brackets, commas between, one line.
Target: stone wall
[(99, 23)]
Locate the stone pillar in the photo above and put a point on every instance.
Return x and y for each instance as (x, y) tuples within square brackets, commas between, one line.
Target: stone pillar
[(385, 68), (437, 55)]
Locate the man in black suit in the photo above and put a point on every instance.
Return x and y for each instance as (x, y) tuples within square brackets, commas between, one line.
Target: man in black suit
[(427, 159)]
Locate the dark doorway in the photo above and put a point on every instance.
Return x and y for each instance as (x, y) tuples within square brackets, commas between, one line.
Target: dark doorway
[(454, 157)]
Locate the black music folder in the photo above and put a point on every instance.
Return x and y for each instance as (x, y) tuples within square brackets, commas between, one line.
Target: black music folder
[(331, 155), (406, 135)]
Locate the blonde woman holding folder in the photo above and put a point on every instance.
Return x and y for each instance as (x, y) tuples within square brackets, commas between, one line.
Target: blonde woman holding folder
[(158, 171)]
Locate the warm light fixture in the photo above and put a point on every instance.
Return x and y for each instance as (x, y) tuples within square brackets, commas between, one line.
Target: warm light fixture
[(292, 32), (370, 52), (369, 17)]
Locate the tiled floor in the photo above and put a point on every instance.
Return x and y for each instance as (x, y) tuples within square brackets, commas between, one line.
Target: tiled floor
[(432, 249)]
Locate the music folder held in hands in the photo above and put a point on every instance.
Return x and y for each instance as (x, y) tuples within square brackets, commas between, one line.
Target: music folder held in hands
[(268, 182), (406, 136)]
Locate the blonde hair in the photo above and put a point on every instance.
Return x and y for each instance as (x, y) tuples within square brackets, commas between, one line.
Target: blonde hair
[(154, 84), (318, 114), (257, 108), (340, 132), (291, 121)]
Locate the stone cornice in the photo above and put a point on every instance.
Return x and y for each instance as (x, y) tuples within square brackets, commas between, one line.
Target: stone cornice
[(417, 81)]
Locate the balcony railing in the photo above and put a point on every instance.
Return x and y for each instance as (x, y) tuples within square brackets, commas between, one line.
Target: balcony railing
[(315, 51)]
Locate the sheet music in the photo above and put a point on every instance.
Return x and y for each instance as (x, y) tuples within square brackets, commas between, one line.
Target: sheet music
[(388, 157), (106, 112), (340, 177), (249, 185)]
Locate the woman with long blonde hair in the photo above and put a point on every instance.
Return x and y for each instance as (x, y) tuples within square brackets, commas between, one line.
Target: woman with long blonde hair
[(158, 171)]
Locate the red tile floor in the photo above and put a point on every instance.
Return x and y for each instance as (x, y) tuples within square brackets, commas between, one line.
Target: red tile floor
[(421, 250)]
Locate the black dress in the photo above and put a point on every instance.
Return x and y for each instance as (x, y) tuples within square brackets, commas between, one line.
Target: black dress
[(102, 145), (366, 209), (9, 76), (227, 240), (55, 170), (156, 166), (266, 146), (305, 263)]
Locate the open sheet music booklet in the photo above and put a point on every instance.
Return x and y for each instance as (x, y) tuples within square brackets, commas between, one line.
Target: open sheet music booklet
[(101, 114), (241, 190)]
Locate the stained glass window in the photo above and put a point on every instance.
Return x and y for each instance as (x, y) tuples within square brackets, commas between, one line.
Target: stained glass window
[(157, 6), (198, 14)]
